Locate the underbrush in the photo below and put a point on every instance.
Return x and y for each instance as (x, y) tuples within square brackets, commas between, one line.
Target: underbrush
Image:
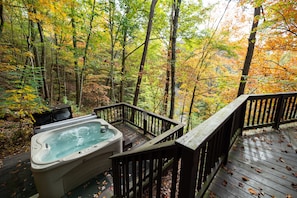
[(15, 137)]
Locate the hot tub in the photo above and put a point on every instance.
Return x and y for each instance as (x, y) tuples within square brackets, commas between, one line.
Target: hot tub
[(66, 156)]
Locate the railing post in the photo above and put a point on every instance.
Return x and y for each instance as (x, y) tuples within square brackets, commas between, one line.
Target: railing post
[(279, 112), (123, 113), (227, 139), (242, 117), (144, 122), (188, 173)]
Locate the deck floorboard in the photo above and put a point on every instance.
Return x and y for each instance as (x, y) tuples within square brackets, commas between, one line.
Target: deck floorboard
[(263, 165)]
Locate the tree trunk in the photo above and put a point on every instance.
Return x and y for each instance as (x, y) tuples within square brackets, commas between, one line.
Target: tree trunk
[(250, 52), (110, 79), (85, 54), (167, 81), (173, 56), (143, 58), (58, 70), (43, 61), (76, 68), (1, 18), (123, 71)]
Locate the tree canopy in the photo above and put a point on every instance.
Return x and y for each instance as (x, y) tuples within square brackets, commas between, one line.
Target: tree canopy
[(87, 53)]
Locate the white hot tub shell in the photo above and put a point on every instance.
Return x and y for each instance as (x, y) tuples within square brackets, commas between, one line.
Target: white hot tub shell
[(57, 177)]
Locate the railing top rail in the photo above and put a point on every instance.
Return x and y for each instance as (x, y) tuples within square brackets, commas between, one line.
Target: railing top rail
[(271, 95), (159, 138), (194, 138), (143, 150), (108, 106), (154, 114), (139, 109)]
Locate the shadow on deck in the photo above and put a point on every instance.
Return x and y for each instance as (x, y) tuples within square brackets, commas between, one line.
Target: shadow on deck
[(260, 164)]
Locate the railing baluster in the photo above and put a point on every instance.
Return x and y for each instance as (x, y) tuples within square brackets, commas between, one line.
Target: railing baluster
[(159, 176), (264, 111), (254, 111), (249, 113), (134, 177), (259, 112), (294, 105), (151, 172), (140, 176), (271, 110), (294, 115), (174, 174), (201, 167), (287, 108)]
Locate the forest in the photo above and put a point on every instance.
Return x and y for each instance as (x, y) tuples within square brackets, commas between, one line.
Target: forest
[(184, 59)]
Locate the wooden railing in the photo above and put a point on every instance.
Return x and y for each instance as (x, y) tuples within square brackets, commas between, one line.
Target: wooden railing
[(205, 148), (196, 157), (270, 110), (148, 122)]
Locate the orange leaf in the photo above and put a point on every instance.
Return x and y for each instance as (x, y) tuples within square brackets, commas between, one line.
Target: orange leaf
[(252, 191)]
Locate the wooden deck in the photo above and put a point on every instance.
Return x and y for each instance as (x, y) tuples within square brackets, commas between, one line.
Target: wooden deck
[(131, 134), (260, 165)]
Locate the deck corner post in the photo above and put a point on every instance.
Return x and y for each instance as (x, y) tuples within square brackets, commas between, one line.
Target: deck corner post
[(188, 174), (279, 112)]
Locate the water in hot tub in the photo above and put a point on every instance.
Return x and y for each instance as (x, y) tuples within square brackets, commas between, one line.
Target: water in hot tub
[(74, 139)]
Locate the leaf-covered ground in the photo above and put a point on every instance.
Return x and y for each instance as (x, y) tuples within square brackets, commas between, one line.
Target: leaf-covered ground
[(14, 137)]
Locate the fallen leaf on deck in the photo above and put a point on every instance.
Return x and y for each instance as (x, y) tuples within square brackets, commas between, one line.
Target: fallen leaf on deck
[(244, 178), (225, 168), (225, 183), (289, 196), (295, 174), (294, 185), (281, 159), (240, 184), (258, 170), (252, 191), (288, 168), (212, 195), (289, 145)]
